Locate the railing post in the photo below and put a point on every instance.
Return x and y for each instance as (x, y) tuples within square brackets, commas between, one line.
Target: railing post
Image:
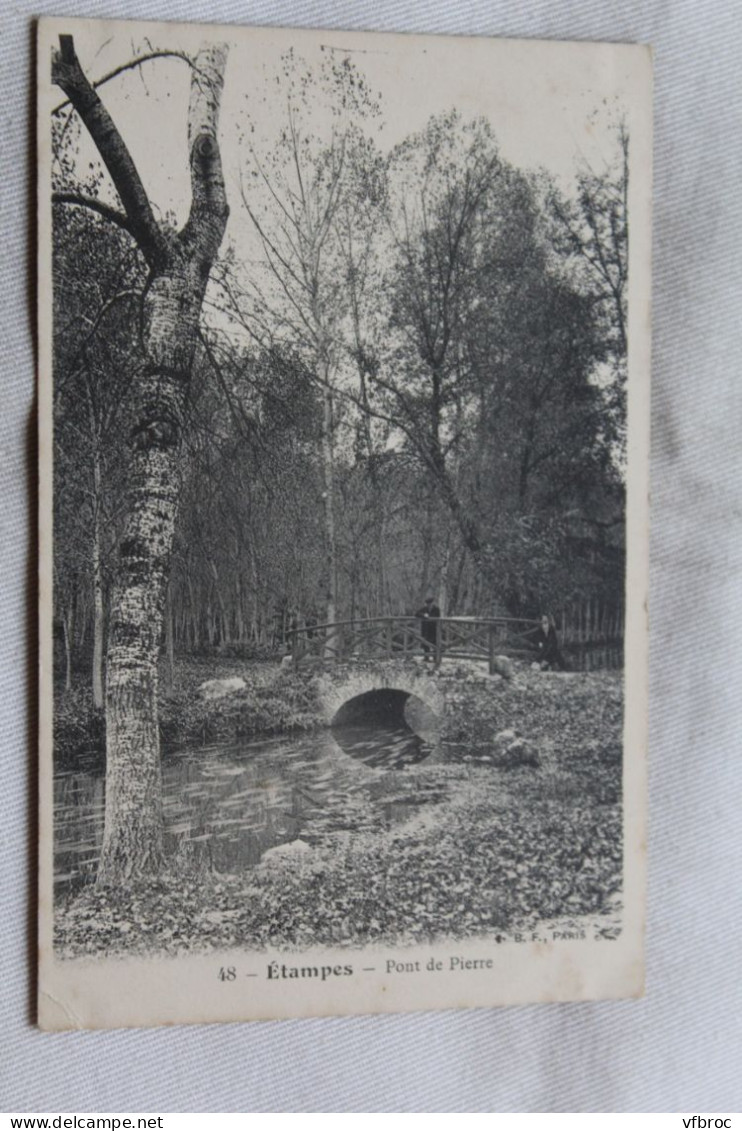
[(388, 637), (491, 639), (438, 642)]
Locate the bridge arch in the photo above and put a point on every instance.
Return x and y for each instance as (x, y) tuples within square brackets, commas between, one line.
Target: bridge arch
[(339, 687)]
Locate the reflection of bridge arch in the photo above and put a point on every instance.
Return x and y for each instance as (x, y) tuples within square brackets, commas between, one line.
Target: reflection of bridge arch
[(338, 687)]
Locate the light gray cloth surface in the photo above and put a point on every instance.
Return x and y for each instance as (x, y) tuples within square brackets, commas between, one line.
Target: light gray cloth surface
[(678, 1049)]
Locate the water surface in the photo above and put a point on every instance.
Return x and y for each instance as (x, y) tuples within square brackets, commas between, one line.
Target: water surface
[(226, 805)]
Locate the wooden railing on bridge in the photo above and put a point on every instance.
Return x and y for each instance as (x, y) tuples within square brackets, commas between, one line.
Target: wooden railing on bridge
[(464, 638)]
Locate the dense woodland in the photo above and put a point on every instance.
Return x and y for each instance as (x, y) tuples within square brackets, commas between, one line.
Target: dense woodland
[(411, 380)]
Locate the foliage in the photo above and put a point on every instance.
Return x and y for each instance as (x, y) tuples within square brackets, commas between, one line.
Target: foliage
[(97, 285), (482, 851), (271, 703), (417, 384), (592, 231), (429, 328), (79, 729)]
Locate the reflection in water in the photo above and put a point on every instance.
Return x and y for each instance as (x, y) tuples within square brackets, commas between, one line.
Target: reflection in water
[(383, 746), (225, 806), (375, 728)]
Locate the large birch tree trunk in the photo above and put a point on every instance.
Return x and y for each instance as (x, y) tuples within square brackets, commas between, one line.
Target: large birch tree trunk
[(179, 264)]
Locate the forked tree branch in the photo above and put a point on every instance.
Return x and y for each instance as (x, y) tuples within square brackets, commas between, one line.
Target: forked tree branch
[(69, 76)]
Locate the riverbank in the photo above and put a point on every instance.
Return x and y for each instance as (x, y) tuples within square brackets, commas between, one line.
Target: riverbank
[(274, 700), (515, 821)]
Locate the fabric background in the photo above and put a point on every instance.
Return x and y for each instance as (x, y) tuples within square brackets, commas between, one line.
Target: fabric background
[(678, 1049)]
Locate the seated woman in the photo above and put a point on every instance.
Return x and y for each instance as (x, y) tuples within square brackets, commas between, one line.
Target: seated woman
[(547, 644)]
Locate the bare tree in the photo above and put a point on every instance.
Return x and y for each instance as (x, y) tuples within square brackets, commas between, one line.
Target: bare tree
[(305, 182), (98, 280), (593, 229)]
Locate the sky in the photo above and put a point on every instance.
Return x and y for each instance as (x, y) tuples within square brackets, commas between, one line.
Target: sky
[(551, 105)]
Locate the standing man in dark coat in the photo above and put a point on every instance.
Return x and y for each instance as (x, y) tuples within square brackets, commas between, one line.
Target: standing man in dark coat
[(429, 615)]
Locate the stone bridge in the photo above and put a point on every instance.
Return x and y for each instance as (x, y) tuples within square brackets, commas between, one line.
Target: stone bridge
[(346, 683)]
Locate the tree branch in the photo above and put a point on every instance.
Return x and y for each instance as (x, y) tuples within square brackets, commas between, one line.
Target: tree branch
[(207, 219), (129, 67), (69, 76), (94, 205)]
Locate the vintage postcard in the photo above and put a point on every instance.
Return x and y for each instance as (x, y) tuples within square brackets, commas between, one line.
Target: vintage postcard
[(344, 391)]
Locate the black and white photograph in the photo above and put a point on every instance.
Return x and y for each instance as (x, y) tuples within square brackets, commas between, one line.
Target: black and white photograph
[(344, 380)]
